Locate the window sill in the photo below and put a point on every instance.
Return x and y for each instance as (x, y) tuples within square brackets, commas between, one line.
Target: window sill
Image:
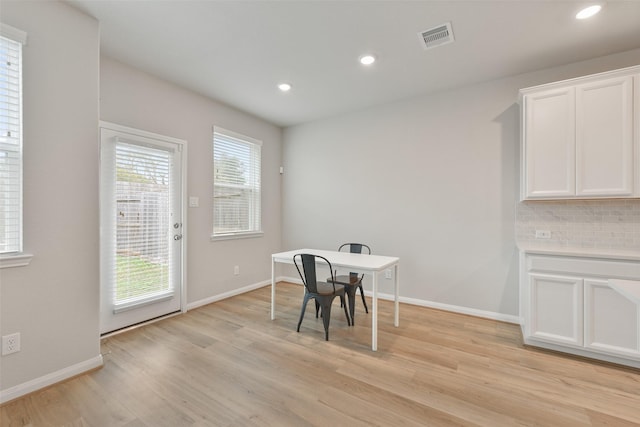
[(233, 236), (15, 260)]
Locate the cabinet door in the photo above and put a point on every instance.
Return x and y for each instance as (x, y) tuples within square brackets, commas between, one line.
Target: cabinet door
[(556, 309), (612, 321), (550, 143), (604, 138)]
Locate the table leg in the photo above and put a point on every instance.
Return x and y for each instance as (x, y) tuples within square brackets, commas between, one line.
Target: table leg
[(396, 320), (374, 314), (273, 289)]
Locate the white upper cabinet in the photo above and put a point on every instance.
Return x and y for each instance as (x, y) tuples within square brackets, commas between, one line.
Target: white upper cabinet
[(580, 137), (550, 143), (604, 138)]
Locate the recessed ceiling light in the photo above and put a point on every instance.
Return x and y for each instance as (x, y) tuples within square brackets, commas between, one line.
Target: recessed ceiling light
[(588, 12), (285, 87), (367, 59)]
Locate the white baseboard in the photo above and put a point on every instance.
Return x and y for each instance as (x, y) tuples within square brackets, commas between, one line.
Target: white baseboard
[(583, 352), (225, 295), (431, 304), (49, 379), (508, 318), (295, 280)]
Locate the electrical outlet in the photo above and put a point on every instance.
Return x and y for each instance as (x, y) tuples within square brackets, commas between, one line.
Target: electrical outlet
[(543, 234), (236, 270), (10, 344), (387, 273)]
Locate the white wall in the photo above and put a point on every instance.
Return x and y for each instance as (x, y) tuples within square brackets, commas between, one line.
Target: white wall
[(53, 302), (136, 99), (433, 180)]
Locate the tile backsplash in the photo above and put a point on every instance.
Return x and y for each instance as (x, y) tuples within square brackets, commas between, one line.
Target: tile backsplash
[(597, 224)]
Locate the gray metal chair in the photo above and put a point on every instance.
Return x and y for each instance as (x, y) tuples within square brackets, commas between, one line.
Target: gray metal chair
[(352, 281), (322, 292)]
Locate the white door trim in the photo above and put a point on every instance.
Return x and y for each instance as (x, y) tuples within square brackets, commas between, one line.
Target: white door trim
[(182, 147)]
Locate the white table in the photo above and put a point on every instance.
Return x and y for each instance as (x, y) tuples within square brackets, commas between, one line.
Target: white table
[(356, 263)]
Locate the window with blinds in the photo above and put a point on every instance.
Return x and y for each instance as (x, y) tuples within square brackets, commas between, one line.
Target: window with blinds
[(11, 41), (236, 184)]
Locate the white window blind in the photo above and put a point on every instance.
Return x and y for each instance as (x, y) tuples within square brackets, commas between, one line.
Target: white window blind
[(236, 184), (142, 226), (10, 140)]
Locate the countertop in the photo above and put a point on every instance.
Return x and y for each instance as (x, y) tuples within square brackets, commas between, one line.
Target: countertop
[(619, 254)]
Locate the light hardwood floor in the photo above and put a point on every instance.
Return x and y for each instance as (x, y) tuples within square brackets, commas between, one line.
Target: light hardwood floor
[(227, 364)]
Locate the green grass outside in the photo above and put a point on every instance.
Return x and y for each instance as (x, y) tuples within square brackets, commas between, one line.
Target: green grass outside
[(137, 277)]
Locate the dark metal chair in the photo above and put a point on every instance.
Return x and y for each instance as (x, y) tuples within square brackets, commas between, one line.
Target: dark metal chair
[(352, 281), (322, 292)]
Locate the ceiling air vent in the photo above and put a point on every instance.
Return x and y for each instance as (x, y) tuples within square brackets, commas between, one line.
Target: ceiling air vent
[(437, 36)]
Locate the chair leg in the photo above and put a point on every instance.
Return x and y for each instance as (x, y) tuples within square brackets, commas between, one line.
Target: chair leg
[(346, 313), (366, 309), (326, 316), (317, 308), (304, 307), (351, 295)]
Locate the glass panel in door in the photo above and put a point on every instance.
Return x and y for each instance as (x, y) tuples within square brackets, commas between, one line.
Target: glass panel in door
[(141, 240)]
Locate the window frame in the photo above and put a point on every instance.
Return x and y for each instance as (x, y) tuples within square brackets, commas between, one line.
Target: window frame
[(17, 257), (256, 217)]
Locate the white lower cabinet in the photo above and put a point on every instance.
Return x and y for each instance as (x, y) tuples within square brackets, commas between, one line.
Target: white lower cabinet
[(611, 321), (556, 308), (568, 305)]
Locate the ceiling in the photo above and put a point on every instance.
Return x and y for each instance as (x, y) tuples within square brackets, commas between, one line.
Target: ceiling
[(238, 51)]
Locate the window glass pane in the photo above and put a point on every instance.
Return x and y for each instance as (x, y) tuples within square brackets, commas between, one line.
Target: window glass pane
[(143, 222), (10, 146), (236, 184)]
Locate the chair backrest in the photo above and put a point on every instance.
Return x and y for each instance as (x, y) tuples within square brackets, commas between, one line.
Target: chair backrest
[(308, 272), (355, 248)]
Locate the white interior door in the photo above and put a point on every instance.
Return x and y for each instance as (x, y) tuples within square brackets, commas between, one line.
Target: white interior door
[(141, 228)]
